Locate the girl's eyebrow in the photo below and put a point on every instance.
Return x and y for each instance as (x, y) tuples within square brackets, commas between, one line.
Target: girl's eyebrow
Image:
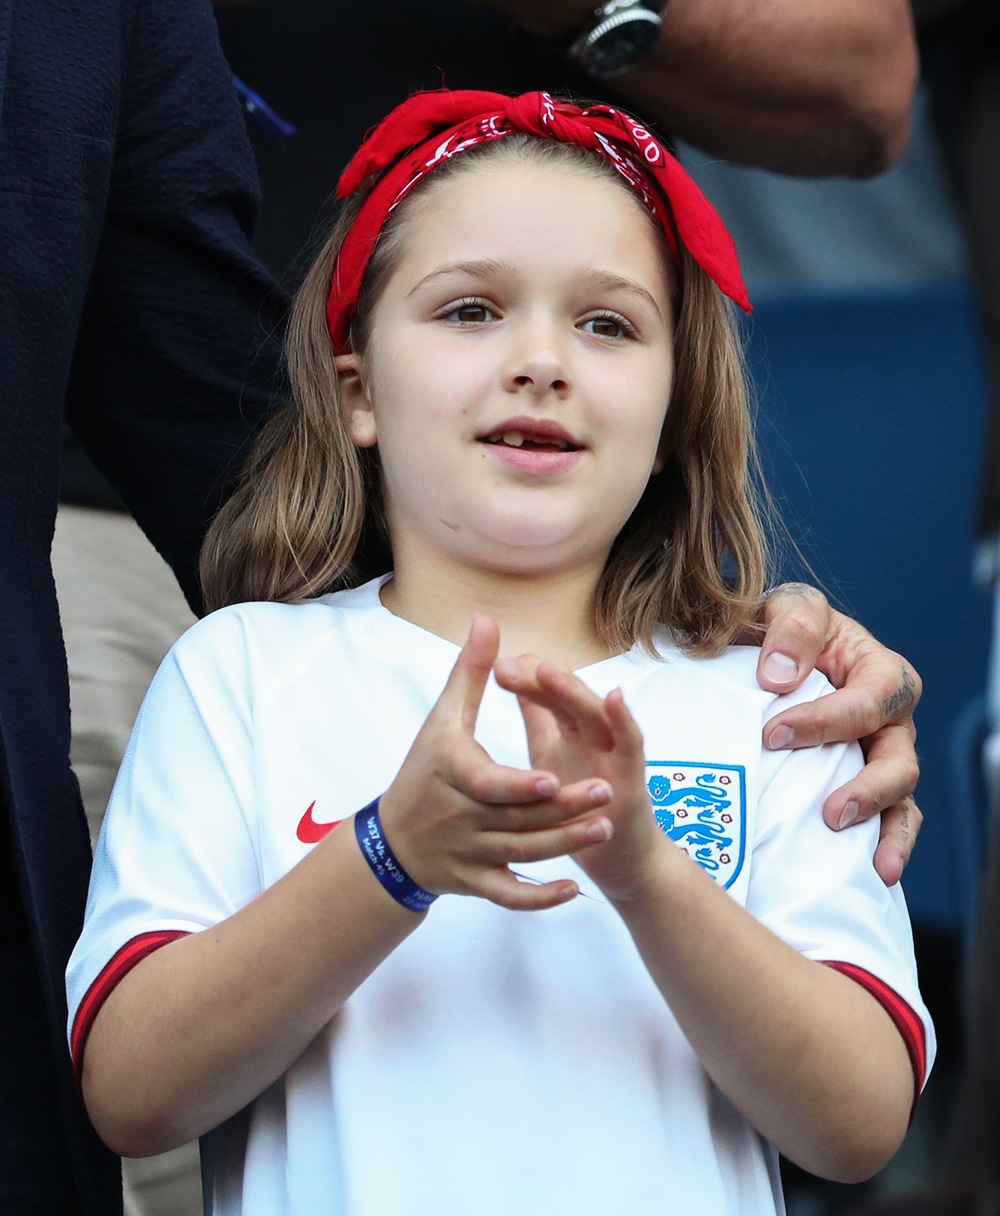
[(610, 281), (484, 266)]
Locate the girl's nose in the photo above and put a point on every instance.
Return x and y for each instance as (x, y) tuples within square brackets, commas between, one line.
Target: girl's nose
[(537, 371)]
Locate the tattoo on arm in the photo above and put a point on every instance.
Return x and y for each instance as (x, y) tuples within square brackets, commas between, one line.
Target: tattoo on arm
[(902, 699)]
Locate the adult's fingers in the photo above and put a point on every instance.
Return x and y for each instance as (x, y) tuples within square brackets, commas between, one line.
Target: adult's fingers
[(501, 887), (463, 692), (797, 619), (876, 686), (900, 828), (879, 691), (888, 778)]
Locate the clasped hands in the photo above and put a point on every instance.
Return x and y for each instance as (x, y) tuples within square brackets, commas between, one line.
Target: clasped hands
[(457, 820)]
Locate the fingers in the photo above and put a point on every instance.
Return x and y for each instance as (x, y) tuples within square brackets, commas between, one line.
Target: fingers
[(797, 618), (628, 736), (464, 690), (572, 801), (852, 712), (900, 828), (471, 771), (578, 711), (888, 778), (854, 657), (501, 887), (876, 686), (519, 848)]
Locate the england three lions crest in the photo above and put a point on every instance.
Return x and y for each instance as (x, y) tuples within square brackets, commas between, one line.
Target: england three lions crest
[(702, 807)]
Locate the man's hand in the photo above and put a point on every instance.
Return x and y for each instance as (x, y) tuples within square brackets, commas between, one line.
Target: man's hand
[(877, 694)]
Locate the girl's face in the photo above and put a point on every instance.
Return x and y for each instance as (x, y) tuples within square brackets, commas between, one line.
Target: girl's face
[(519, 368)]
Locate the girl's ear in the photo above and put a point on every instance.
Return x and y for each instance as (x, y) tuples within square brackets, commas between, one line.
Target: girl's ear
[(354, 400)]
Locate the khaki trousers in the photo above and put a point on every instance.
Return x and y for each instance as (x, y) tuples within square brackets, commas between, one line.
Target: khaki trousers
[(121, 612)]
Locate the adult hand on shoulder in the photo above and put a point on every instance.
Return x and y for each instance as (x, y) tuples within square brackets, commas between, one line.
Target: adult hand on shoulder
[(877, 692)]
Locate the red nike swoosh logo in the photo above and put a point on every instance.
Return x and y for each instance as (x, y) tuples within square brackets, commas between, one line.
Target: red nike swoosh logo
[(311, 832)]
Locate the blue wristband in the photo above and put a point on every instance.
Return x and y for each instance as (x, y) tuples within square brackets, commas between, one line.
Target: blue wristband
[(385, 867)]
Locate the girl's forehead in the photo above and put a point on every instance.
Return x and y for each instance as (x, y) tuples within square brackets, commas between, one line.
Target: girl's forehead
[(527, 214)]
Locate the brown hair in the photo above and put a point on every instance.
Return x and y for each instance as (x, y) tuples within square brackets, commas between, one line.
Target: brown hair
[(307, 516)]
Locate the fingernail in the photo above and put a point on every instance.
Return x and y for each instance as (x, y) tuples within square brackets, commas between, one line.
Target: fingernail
[(547, 787), (600, 792), (600, 830), (504, 667), (780, 737), (780, 668), (848, 815)]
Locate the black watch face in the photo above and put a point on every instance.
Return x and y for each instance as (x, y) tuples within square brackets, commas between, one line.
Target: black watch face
[(622, 47)]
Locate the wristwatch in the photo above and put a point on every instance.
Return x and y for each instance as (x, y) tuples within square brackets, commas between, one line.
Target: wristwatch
[(624, 31)]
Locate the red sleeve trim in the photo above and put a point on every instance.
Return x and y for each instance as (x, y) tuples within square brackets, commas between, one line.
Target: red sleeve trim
[(908, 1023), (121, 964)]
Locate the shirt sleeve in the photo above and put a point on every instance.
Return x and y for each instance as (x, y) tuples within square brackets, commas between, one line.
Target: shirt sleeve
[(819, 891), (177, 852)]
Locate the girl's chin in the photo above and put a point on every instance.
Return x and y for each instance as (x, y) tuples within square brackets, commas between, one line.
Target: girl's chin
[(521, 546)]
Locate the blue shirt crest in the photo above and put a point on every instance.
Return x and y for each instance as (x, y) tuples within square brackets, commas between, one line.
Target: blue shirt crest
[(702, 807)]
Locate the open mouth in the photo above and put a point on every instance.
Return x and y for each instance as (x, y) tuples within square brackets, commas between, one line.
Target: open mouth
[(547, 438), (514, 439)]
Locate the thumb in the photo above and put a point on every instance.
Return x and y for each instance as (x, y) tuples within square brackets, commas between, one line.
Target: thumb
[(464, 691), (797, 618)]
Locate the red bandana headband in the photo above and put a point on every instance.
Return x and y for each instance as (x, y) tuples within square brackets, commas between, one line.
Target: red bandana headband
[(430, 128)]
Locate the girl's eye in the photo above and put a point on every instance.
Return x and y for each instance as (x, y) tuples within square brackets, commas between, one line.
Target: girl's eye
[(470, 312), (609, 325)]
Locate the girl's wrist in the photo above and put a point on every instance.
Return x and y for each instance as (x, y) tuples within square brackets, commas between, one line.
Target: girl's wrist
[(384, 863), (665, 868)]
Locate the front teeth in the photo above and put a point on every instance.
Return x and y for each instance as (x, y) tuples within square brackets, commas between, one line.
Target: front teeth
[(515, 439)]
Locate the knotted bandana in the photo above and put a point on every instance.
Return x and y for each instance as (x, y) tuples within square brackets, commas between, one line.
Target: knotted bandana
[(430, 128)]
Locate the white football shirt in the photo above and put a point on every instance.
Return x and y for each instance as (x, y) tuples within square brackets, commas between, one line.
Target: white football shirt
[(496, 1061)]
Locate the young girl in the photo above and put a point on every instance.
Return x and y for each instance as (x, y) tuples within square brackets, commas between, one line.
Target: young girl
[(517, 386)]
